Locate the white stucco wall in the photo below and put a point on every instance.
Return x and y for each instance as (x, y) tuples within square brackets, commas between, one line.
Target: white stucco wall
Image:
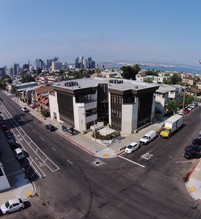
[(53, 107), (129, 118)]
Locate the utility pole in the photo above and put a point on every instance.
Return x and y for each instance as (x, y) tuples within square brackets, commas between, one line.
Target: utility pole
[(184, 91)]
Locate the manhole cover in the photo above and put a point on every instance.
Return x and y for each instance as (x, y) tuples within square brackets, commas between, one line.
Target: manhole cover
[(98, 162)]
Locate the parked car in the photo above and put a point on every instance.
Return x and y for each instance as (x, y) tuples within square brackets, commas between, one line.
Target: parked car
[(24, 109), (186, 111), (50, 127), (12, 205), (132, 147), (193, 147), (8, 133), (19, 153), (4, 127), (11, 140), (15, 145), (148, 137), (192, 155), (168, 113), (197, 141)]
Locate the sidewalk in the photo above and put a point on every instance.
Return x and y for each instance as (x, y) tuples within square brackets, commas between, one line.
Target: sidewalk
[(193, 183), (85, 141)]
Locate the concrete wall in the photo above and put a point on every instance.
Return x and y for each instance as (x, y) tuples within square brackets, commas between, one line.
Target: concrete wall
[(53, 106), (129, 118)]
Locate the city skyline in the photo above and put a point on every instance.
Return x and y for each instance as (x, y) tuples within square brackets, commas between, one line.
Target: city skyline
[(129, 30)]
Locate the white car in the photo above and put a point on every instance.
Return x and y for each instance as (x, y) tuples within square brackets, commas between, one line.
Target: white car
[(132, 147), (24, 109), (19, 153), (12, 205)]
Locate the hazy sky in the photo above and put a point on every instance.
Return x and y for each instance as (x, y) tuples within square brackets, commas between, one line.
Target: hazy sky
[(165, 31)]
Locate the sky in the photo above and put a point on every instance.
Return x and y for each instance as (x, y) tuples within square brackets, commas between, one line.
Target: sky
[(162, 31)]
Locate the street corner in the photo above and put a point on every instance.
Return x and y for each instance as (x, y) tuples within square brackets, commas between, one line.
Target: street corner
[(106, 153), (193, 187), (27, 191)]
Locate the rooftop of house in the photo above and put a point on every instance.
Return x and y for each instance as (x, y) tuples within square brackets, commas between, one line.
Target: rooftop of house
[(165, 89), (118, 84), (29, 88), (43, 89), (18, 84)]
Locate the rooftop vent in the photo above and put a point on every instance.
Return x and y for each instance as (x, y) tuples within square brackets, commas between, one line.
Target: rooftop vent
[(71, 83), (115, 81)]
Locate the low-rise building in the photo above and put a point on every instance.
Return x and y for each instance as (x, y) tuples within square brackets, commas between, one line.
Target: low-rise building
[(125, 105), (165, 93)]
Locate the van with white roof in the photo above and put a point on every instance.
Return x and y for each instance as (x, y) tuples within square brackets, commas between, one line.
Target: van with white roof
[(150, 136)]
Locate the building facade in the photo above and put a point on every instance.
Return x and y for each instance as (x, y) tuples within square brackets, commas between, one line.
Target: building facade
[(123, 104)]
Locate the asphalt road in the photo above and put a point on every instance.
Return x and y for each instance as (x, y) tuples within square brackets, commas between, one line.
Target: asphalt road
[(86, 187)]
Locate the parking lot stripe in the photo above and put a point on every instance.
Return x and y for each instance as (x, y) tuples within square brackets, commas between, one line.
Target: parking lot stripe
[(132, 161)]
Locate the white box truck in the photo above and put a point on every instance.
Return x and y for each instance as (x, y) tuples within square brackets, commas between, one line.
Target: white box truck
[(171, 125), (150, 136)]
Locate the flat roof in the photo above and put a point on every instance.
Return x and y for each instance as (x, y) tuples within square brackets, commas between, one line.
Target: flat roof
[(165, 89), (94, 82)]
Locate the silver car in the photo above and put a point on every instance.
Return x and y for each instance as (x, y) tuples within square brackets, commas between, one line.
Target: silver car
[(12, 205)]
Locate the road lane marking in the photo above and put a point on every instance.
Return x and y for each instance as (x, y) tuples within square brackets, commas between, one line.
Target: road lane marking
[(184, 161), (53, 149), (132, 161), (69, 161)]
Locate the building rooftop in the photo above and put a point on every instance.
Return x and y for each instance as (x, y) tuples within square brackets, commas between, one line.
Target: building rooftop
[(165, 89), (117, 84)]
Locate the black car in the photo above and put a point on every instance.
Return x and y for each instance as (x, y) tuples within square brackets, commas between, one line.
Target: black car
[(193, 147), (197, 141), (192, 155), (50, 127), (167, 113)]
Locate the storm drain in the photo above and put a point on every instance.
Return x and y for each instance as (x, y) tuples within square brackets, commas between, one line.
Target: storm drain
[(98, 162)]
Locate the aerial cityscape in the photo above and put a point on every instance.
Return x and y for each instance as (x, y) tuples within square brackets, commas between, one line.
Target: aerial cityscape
[(100, 105)]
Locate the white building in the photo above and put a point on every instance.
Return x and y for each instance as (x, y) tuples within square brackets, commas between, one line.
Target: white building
[(165, 93)]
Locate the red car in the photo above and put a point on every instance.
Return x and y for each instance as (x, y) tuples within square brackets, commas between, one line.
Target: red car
[(185, 111)]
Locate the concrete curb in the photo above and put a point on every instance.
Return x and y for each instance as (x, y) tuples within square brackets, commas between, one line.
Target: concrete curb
[(75, 143)]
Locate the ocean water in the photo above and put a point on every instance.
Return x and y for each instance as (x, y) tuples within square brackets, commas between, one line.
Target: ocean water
[(160, 67), (172, 68)]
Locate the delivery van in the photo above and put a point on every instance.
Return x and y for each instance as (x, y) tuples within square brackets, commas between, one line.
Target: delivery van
[(150, 136)]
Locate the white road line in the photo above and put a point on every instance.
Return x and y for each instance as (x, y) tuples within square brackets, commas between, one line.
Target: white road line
[(33, 131), (132, 161), (184, 161), (53, 149), (69, 162), (42, 139)]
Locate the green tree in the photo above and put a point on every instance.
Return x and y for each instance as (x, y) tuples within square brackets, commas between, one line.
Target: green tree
[(189, 99), (172, 106), (129, 72), (148, 80), (152, 72), (45, 113), (166, 80), (27, 78), (175, 79)]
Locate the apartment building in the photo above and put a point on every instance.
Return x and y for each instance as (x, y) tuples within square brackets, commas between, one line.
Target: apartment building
[(48, 79), (165, 93), (125, 105)]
